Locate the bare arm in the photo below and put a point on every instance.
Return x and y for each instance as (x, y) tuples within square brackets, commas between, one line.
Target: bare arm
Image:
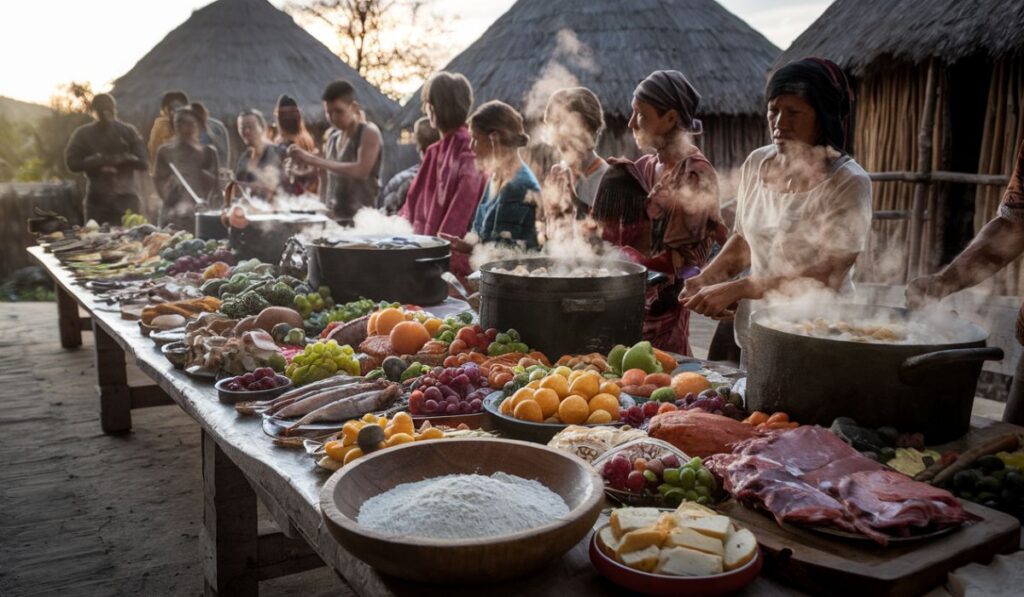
[(729, 263), (366, 158), (997, 244)]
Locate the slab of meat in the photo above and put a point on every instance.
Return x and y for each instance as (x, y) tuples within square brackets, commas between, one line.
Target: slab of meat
[(809, 476)]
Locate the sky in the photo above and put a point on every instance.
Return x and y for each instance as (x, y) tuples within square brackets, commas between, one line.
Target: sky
[(55, 47)]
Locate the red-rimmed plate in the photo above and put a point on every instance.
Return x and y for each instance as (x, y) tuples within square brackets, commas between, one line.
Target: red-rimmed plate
[(662, 584)]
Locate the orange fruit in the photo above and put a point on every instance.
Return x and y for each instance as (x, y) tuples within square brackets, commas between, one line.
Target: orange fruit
[(585, 385), (599, 417), (605, 402), (371, 325), (432, 325), (506, 406), (557, 383), (610, 387), (689, 382), (574, 410), (387, 319), (520, 395), (529, 410), (534, 385), (408, 337), (548, 401)]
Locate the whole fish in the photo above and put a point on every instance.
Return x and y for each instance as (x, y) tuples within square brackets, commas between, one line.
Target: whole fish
[(259, 406), (351, 407), (312, 402)]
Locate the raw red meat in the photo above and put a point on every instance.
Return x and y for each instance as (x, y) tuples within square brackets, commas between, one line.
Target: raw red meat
[(809, 476)]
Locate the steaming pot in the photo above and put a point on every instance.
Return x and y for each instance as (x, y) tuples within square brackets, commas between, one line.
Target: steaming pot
[(565, 315), (403, 269), (927, 388)]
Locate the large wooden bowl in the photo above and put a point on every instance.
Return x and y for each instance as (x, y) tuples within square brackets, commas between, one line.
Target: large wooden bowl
[(479, 560)]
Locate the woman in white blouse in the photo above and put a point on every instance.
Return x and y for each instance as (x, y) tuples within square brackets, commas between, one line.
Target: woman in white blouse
[(803, 209)]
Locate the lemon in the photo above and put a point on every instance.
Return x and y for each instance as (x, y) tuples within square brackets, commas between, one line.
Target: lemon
[(557, 383), (574, 410), (529, 410), (548, 401)]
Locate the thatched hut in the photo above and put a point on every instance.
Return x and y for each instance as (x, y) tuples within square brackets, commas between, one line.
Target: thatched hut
[(234, 54), (949, 138), (539, 46)]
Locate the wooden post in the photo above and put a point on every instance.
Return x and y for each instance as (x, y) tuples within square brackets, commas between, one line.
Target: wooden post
[(924, 168), (112, 380), (68, 322), (230, 535)]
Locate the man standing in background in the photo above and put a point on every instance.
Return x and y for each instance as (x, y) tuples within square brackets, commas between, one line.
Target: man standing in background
[(109, 152)]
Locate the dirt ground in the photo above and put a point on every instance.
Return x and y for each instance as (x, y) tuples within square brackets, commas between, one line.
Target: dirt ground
[(84, 513)]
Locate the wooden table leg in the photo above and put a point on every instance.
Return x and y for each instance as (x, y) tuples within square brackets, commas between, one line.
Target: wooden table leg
[(68, 322), (112, 378), (230, 526)]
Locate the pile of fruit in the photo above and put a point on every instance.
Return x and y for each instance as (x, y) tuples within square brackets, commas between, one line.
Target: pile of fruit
[(372, 433), (778, 420), (638, 415), (449, 391), (264, 378), (472, 338), (639, 356), (310, 302), (251, 288), (506, 343), (565, 397), (451, 325), (194, 255), (321, 360), (664, 477), (995, 481)]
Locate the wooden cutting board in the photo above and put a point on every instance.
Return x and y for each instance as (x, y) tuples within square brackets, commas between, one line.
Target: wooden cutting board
[(826, 565)]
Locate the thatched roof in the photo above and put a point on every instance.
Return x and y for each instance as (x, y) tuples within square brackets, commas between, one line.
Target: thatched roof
[(857, 34), (234, 54), (609, 46)]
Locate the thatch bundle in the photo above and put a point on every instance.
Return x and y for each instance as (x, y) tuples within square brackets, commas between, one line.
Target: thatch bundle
[(236, 54), (887, 46), (609, 46)]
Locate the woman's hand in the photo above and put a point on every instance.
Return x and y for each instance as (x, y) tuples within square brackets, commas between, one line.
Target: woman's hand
[(716, 300), (298, 154), (691, 286), (926, 289), (458, 245)]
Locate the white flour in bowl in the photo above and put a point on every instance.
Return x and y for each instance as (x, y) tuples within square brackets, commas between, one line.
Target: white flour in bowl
[(463, 507)]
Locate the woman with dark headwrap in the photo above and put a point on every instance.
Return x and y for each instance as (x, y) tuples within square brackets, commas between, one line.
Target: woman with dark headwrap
[(291, 130), (803, 207), (671, 223)]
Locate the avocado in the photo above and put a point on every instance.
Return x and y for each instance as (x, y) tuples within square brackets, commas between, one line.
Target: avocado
[(989, 463), (663, 395), (641, 356), (966, 480), (615, 357)]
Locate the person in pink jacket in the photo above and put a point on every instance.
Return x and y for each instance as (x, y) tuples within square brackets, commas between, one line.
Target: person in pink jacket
[(444, 195)]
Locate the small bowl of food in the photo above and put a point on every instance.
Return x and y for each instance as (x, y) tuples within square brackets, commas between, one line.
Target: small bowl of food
[(690, 551), (261, 384), (176, 353)]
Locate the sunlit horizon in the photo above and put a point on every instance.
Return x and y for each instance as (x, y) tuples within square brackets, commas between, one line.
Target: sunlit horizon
[(107, 48)]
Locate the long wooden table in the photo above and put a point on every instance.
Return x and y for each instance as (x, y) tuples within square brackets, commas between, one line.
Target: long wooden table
[(241, 465)]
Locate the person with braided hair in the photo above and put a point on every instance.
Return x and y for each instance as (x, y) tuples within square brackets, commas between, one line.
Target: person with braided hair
[(803, 206)]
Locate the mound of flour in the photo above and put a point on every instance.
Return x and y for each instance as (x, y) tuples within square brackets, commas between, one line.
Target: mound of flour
[(463, 507)]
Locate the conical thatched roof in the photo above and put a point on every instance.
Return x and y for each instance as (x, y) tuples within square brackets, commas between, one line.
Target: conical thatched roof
[(234, 54), (857, 33), (609, 46)]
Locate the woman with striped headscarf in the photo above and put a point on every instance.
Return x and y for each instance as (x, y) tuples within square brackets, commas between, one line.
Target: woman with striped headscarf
[(662, 210)]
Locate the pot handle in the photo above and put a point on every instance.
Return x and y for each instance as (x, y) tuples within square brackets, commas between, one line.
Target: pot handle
[(437, 259), (913, 368), (655, 278), (583, 305)]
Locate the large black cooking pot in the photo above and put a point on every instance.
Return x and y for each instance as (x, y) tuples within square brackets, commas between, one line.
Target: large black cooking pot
[(209, 225), (565, 315), (265, 235), (403, 269), (924, 387)]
